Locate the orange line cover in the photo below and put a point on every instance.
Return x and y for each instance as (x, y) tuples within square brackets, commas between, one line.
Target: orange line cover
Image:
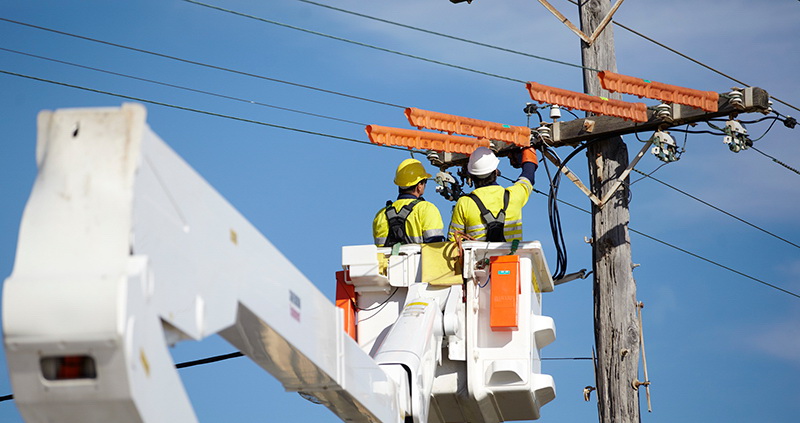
[(706, 100), (384, 135), (519, 135), (599, 105)]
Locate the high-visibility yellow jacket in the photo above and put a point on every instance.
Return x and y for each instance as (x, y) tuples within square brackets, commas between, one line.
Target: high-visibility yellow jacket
[(423, 225), (467, 216)]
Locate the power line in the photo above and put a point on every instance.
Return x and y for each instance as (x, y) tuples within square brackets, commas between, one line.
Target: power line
[(207, 360), (205, 112), (222, 357), (333, 37), (206, 65), (777, 161), (686, 251), (182, 87), (718, 72), (452, 37), (361, 142), (716, 263), (717, 208)]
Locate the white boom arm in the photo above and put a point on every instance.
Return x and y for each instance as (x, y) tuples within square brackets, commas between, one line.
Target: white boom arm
[(124, 249)]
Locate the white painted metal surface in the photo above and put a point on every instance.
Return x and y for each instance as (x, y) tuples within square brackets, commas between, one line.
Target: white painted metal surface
[(123, 249), (480, 375)]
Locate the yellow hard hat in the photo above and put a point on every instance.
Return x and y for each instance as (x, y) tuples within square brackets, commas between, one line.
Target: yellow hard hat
[(409, 173)]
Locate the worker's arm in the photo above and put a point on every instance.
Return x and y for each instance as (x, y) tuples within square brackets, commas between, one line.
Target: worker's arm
[(527, 160)]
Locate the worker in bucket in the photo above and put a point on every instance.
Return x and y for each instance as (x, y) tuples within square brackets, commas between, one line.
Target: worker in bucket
[(491, 212), (409, 219)]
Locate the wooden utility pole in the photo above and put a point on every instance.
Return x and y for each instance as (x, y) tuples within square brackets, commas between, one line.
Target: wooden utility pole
[(616, 328)]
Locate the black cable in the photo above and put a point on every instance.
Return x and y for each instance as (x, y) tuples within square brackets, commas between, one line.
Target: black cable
[(184, 88), (206, 65), (189, 109), (777, 161), (554, 218), (717, 208), (358, 43), (552, 208), (696, 61), (686, 252), (647, 175), (698, 132), (716, 264), (563, 358), (769, 128), (375, 307), (209, 360), (750, 122), (617, 23), (452, 37)]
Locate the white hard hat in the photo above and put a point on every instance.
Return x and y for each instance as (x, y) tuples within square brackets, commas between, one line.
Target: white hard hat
[(482, 162)]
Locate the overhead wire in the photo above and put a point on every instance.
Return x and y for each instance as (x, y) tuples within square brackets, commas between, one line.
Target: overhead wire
[(402, 149), (359, 43), (183, 365), (617, 23), (202, 64), (718, 72), (717, 208), (180, 87), (452, 37), (707, 260), (197, 110), (777, 161), (237, 354), (205, 112), (165, 84), (664, 46)]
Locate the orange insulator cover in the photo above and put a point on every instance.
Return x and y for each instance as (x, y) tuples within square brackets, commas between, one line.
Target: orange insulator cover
[(384, 135), (346, 300), (518, 135), (706, 100), (505, 289), (598, 105)]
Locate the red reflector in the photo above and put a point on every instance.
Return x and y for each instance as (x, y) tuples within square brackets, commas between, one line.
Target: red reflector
[(68, 367)]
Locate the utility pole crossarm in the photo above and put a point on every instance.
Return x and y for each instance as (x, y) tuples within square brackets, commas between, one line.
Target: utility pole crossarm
[(572, 132)]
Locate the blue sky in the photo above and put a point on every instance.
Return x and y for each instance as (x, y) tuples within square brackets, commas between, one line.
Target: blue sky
[(720, 346)]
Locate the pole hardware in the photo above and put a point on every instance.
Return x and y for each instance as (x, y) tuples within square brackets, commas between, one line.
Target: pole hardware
[(587, 392), (646, 383), (664, 147), (736, 136)]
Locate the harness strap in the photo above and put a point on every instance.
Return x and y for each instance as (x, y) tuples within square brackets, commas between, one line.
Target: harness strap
[(397, 223), (494, 224)]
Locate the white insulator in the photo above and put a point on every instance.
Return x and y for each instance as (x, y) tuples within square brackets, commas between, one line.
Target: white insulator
[(555, 112), (433, 157), (545, 133), (736, 98), (664, 111)]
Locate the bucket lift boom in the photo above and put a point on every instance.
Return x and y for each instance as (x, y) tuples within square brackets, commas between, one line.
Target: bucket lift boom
[(124, 250)]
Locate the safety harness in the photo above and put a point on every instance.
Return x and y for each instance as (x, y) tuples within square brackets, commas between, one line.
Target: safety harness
[(397, 223), (495, 225)]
